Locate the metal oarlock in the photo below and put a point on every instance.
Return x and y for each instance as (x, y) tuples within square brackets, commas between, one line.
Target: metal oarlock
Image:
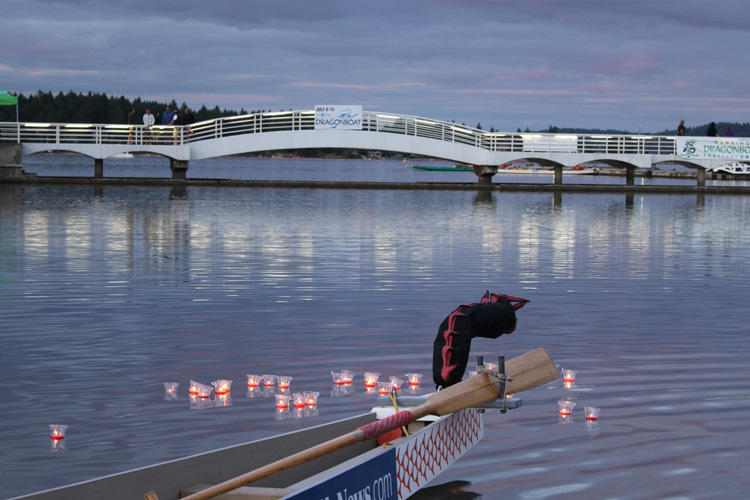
[(501, 403), (503, 380)]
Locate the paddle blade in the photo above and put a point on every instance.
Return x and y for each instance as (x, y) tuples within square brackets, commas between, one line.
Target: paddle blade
[(530, 370), (527, 371)]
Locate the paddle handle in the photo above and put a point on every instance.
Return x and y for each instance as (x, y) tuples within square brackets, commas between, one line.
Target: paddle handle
[(280, 465), (363, 433)]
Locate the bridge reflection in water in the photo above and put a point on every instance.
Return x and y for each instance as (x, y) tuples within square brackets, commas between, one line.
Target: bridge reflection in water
[(380, 131)]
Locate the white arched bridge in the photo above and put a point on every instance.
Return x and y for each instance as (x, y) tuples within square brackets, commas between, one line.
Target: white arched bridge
[(378, 131)]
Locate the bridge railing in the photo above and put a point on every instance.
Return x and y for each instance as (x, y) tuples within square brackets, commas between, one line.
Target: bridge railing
[(86, 133), (256, 123)]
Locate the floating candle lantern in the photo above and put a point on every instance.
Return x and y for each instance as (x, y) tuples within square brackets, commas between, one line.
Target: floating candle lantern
[(311, 398), (253, 380), (269, 380), (194, 387), (57, 432), (347, 376), (338, 379), (569, 376), (396, 383), (222, 386), (282, 401), (171, 387), (566, 407), (283, 382), (371, 379), (298, 400), (384, 388), (414, 378), (204, 391), (592, 413)]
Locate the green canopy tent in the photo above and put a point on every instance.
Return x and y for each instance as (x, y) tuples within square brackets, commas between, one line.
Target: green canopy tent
[(10, 100)]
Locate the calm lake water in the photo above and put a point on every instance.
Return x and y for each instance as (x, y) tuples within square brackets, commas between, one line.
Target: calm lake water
[(107, 293)]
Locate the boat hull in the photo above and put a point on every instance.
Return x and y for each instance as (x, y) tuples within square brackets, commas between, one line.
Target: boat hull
[(392, 472)]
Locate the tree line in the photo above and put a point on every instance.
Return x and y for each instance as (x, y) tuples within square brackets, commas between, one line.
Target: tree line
[(94, 108)]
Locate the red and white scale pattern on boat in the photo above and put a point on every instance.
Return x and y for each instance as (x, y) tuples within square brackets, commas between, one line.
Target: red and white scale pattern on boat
[(421, 459)]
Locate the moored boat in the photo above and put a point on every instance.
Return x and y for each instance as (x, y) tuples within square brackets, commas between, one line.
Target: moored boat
[(733, 168), (443, 168), (510, 170)]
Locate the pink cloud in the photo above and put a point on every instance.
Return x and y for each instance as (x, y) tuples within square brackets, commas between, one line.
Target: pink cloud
[(634, 67), (539, 73)]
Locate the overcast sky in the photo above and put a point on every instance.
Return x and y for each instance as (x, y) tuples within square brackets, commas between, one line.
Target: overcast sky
[(504, 64)]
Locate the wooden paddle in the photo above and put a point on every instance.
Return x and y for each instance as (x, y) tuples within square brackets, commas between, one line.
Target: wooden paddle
[(526, 371)]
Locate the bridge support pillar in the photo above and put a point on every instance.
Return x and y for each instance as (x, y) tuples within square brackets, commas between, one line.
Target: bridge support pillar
[(700, 174), (98, 168), (629, 175), (484, 173), (558, 174), (179, 169)]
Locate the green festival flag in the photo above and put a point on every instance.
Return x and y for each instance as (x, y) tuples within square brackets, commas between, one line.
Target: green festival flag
[(7, 100)]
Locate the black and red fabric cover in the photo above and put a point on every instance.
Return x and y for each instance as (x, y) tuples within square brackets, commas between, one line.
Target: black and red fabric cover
[(493, 316)]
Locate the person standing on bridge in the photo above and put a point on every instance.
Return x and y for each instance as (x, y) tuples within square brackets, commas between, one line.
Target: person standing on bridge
[(148, 121), (712, 132), (681, 128), (186, 121), (167, 120), (167, 117), (730, 131)]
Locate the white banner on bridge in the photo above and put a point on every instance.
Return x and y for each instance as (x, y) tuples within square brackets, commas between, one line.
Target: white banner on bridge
[(714, 148), (338, 116)]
